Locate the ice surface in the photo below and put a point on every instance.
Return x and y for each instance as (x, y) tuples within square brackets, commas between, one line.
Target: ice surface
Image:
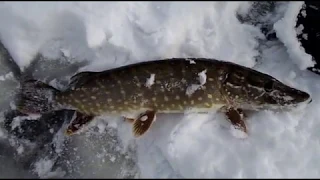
[(286, 32), (6, 76), (110, 34)]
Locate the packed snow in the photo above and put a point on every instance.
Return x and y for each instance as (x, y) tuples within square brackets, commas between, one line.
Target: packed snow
[(111, 34), (286, 32), (6, 76), (150, 81)]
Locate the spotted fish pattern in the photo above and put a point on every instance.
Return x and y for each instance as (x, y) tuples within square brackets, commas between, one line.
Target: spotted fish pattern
[(139, 91)]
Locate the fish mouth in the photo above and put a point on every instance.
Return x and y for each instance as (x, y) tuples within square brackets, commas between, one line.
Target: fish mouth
[(299, 105), (284, 107), (307, 100)]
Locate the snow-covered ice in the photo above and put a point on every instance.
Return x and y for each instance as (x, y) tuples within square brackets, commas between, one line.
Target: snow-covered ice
[(111, 34), (286, 32)]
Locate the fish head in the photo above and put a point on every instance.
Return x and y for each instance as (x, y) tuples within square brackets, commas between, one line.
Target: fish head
[(261, 91), (278, 95)]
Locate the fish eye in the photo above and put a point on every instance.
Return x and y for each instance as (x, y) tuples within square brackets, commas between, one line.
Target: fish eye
[(268, 87)]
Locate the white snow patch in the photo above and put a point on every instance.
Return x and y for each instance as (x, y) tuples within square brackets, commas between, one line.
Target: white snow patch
[(43, 167), (17, 120), (202, 77), (20, 149), (287, 98), (65, 52), (13, 105), (150, 81), (299, 29), (7, 76), (112, 159), (191, 61), (292, 75), (238, 133), (304, 13), (101, 127), (95, 35), (287, 34), (305, 36)]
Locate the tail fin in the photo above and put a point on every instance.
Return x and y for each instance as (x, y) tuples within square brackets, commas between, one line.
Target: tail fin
[(35, 97)]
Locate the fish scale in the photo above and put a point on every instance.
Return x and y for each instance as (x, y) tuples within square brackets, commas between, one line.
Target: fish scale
[(140, 91)]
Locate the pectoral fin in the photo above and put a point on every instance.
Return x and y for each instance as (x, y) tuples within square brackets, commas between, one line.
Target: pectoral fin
[(79, 122), (143, 123), (235, 116)]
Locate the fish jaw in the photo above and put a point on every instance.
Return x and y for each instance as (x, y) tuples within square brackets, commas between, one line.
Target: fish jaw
[(285, 98), (267, 101), (249, 89), (287, 107)]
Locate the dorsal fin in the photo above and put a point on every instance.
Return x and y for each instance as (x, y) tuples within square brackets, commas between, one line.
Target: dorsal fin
[(80, 78)]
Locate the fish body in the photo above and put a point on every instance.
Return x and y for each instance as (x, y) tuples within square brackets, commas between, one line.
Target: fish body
[(139, 91)]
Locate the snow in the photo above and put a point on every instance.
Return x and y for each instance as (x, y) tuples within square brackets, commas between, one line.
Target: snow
[(43, 167), (20, 149), (237, 132), (110, 34), (6, 76), (305, 36), (304, 13), (202, 77), (191, 61), (287, 34), (150, 81), (17, 120)]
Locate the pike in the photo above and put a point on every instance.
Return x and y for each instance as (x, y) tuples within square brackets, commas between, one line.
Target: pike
[(138, 92)]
